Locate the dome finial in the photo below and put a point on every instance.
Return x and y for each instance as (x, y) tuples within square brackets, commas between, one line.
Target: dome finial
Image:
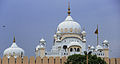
[(14, 39), (69, 9)]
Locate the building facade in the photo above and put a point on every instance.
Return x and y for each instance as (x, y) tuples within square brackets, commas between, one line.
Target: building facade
[(70, 39)]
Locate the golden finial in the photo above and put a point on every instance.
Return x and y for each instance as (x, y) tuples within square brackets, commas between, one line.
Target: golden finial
[(69, 9), (14, 40)]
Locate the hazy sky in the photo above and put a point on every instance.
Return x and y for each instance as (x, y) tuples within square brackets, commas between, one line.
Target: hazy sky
[(31, 20)]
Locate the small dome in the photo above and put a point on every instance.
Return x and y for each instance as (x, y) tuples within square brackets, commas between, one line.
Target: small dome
[(42, 40), (105, 42), (99, 47), (84, 33), (92, 47), (58, 32), (14, 50), (84, 40), (38, 46), (69, 26)]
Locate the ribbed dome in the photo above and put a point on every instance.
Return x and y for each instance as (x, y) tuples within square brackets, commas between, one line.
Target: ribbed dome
[(14, 50), (69, 26)]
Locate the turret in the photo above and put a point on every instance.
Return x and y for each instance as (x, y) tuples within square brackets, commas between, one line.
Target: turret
[(58, 35), (106, 48), (83, 35), (42, 42), (40, 49)]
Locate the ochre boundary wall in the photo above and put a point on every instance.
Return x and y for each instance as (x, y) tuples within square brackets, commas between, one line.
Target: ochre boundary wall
[(46, 60)]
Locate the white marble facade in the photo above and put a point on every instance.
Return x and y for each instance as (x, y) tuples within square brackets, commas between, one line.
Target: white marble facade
[(70, 39)]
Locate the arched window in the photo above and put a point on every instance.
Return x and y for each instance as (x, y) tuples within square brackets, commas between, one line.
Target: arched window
[(65, 47), (64, 40), (66, 30), (71, 49), (78, 50), (71, 30), (45, 53), (58, 29), (21, 54), (103, 54), (99, 54)]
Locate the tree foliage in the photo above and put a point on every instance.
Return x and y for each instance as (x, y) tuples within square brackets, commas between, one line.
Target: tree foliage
[(81, 59)]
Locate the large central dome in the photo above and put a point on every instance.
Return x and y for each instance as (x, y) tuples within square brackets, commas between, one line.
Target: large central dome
[(69, 26)]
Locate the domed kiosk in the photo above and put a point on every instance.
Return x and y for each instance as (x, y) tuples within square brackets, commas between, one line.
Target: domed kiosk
[(13, 51)]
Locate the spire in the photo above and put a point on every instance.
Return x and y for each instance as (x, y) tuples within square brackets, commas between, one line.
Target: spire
[(14, 39), (69, 9), (84, 28)]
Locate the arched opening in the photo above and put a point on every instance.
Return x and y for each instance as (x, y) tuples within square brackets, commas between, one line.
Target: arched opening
[(66, 29), (71, 30), (21, 54), (71, 49), (65, 47), (78, 50)]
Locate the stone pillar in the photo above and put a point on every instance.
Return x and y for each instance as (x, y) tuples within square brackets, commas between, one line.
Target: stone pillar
[(25, 60), (38, 60), (51, 60), (19, 60), (42, 52), (57, 60), (45, 60), (107, 60), (63, 59), (112, 61), (118, 60), (5, 60), (106, 51), (11, 60), (32, 60)]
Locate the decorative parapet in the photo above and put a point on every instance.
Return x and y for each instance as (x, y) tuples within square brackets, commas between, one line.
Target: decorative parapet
[(46, 60)]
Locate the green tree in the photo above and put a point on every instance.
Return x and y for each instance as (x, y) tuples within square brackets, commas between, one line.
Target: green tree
[(81, 59)]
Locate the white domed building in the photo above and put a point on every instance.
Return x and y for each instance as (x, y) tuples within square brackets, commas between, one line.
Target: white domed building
[(13, 51), (69, 39)]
